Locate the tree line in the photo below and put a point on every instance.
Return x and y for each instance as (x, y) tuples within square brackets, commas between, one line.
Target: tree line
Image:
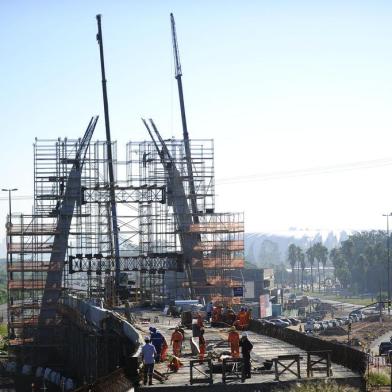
[(297, 257), (360, 262)]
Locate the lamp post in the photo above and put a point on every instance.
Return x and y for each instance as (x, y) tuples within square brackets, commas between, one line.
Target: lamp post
[(9, 204), (388, 264)]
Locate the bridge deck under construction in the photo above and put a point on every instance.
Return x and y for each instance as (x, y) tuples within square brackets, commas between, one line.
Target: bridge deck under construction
[(264, 347)]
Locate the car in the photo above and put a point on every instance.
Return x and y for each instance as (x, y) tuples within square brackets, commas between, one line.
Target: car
[(384, 348), (266, 322), (279, 323), (285, 319), (354, 317), (294, 321), (358, 313), (309, 326)]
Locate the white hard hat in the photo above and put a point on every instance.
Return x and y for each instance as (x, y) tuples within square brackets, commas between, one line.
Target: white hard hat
[(244, 335)]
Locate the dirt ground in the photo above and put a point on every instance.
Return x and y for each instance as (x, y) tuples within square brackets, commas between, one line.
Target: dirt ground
[(365, 331)]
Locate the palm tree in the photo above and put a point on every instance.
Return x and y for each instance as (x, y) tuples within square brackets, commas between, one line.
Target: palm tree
[(292, 257), (323, 259), (301, 261), (311, 258), (321, 255)]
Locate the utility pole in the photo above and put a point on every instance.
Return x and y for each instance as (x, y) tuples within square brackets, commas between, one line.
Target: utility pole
[(388, 264), (110, 160)]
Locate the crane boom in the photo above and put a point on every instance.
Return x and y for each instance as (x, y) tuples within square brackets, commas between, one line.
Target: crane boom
[(175, 48), (178, 75)]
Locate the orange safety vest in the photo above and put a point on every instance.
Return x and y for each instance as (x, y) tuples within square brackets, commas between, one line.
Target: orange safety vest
[(234, 341), (176, 337)]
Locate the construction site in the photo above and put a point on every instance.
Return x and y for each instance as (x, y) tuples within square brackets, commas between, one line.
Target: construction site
[(110, 246)]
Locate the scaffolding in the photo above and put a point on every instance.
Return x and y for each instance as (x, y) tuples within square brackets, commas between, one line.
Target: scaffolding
[(216, 242), (30, 237), (158, 237)]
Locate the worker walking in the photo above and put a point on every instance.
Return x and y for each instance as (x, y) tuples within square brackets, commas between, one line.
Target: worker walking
[(176, 340), (148, 355), (246, 348), (234, 342), (157, 340), (202, 345)]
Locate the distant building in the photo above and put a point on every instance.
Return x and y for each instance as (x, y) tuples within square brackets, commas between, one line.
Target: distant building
[(257, 281)]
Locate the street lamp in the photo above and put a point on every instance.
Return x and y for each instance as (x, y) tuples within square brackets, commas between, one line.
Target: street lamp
[(9, 200), (9, 214), (388, 259)]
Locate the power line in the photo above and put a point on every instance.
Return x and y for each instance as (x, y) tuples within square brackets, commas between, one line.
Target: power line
[(307, 171), (26, 197)]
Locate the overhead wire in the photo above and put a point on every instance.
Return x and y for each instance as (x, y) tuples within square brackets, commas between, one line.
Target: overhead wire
[(371, 164)]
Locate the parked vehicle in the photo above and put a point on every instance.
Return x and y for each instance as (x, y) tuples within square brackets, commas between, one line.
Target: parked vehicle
[(294, 321), (354, 317), (384, 348), (280, 323), (309, 326), (286, 320), (358, 313)]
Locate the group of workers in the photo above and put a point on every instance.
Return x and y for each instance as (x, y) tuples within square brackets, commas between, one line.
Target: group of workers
[(226, 315), (156, 347)]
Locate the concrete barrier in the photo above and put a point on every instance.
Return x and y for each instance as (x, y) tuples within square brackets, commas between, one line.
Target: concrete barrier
[(344, 355)]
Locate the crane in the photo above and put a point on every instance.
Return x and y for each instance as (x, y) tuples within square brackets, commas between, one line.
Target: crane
[(178, 76)]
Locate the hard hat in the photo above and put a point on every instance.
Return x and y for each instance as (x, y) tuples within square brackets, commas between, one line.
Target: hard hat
[(147, 339), (244, 335)]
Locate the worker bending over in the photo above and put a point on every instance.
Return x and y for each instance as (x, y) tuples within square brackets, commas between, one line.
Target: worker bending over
[(176, 340)]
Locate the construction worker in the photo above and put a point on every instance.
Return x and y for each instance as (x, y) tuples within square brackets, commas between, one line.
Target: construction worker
[(157, 340), (241, 319), (217, 314), (246, 348), (164, 349), (202, 345), (176, 340), (234, 342), (174, 364), (248, 317), (148, 354), (199, 321), (230, 316)]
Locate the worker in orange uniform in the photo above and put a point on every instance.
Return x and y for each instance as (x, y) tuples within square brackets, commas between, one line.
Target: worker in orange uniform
[(199, 321), (234, 341), (217, 314), (176, 340), (241, 319), (164, 350), (248, 317), (202, 345)]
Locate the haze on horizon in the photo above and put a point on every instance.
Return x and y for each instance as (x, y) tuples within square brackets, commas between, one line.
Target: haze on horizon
[(296, 96)]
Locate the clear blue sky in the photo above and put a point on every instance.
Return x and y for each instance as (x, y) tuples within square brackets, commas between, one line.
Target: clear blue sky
[(279, 85)]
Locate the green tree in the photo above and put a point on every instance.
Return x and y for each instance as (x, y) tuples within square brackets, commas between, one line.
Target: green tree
[(292, 258), (311, 259), (302, 264)]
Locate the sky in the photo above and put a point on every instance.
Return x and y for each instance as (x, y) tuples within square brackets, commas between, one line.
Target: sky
[(295, 94)]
